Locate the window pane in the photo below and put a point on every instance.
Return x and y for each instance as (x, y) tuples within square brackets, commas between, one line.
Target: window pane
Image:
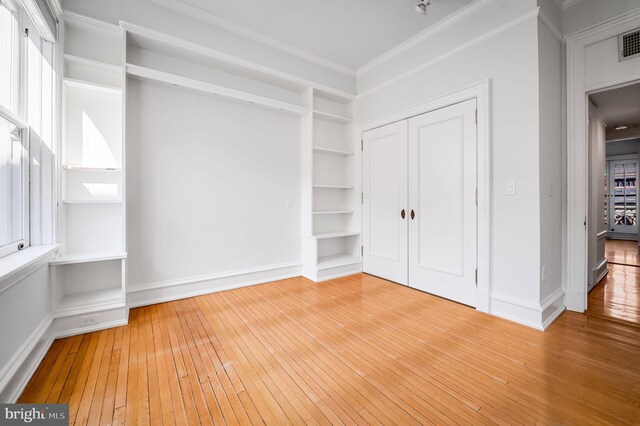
[(8, 59), (12, 183)]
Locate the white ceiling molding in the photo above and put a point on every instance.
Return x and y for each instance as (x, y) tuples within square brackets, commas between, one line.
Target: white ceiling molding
[(568, 3), (552, 28), (210, 18), (424, 35), (533, 13)]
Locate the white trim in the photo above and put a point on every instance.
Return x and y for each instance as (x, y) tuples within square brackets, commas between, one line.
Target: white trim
[(577, 167), (568, 3), (92, 22), (210, 18), (209, 277), (17, 266), (90, 329), (17, 370), (72, 82), (56, 8), (232, 59), (92, 62), (165, 291), (533, 13), (422, 36), (516, 310), (550, 26), (481, 92)]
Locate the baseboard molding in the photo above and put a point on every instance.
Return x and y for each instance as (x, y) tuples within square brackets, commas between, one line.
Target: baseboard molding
[(552, 307), (15, 376), (527, 313), (70, 325), (338, 272), (149, 294)]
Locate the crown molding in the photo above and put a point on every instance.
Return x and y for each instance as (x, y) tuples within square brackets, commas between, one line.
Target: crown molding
[(550, 26), (87, 20), (210, 18), (568, 3), (533, 13), (438, 27)]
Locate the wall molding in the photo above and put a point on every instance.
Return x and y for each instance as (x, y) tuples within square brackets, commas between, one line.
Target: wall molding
[(211, 18), (165, 291), (94, 23), (555, 31), (424, 35), (478, 40), (16, 374)]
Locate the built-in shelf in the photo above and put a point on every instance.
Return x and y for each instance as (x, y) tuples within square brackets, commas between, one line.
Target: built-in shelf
[(90, 85), (321, 115), (69, 259), (149, 74), (322, 212), (92, 201), (90, 299), (335, 235), (333, 186), (326, 262), (91, 62), (74, 168), (332, 151)]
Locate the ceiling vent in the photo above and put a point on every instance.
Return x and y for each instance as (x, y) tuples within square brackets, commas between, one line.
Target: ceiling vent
[(629, 44)]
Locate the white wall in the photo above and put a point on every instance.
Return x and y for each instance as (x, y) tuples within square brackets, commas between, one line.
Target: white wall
[(551, 162), (622, 147), (509, 59), (208, 182), (597, 164)]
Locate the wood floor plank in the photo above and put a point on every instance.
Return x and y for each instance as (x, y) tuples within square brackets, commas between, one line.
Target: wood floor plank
[(356, 350)]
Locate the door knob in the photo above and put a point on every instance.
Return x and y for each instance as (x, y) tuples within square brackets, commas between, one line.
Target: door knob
[(413, 214), (402, 213)]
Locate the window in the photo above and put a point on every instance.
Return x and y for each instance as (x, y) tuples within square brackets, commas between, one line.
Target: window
[(9, 56), (14, 207)]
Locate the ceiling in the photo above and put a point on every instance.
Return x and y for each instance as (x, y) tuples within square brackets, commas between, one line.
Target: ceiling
[(350, 33), (619, 106)]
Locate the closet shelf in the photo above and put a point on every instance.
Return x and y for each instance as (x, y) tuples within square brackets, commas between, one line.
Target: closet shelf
[(69, 259), (76, 303), (333, 186), (335, 235), (331, 117), (92, 201), (322, 212), (89, 85), (92, 62), (74, 168), (326, 262), (332, 151), (149, 74)]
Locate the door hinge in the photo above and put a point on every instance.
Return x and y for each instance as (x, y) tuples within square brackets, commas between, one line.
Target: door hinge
[(476, 116), (362, 250), (476, 277), (362, 198), (585, 223), (361, 144), (476, 196)]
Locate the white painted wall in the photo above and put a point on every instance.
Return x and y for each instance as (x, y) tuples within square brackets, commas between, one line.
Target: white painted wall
[(509, 59), (551, 161), (597, 164), (208, 182)]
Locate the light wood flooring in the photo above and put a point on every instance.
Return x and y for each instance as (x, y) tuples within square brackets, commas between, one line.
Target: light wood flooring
[(356, 350), (622, 252)]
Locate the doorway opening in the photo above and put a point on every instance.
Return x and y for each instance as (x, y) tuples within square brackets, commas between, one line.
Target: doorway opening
[(612, 233)]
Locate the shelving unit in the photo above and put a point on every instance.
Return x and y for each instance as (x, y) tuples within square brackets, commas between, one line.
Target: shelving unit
[(88, 275), (331, 214)]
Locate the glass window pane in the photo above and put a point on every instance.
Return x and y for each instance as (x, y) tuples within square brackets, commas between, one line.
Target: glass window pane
[(9, 58), (12, 183)]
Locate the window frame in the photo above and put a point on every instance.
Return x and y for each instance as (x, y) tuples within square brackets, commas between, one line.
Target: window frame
[(24, 242)]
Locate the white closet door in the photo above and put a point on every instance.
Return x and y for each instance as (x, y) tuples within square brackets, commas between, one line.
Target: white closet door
[(385, 198), (442, 184)]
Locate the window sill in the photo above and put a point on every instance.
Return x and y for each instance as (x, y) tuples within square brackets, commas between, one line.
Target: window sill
[(16, 266)]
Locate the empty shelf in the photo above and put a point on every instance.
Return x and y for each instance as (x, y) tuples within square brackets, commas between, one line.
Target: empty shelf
[(332, 117), (90, 299), (69, 259), (325, 262), (336, 235), (90, 169), (333, 186), (332, 151), (92, 201), (320, 212)]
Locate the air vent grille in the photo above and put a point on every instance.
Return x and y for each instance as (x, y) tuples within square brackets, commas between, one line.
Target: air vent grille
[(629, 45)]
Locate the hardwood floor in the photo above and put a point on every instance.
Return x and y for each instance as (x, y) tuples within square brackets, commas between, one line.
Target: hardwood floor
[(356, 350), (617, 295), (622, 252)]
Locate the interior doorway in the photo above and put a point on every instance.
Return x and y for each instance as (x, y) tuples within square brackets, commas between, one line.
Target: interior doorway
[(612, 231)]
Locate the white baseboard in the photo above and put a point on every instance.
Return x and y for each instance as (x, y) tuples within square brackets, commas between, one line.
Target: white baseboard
[(338, 272), (530, 314), (15, 376), (149, 294), (70, 325)]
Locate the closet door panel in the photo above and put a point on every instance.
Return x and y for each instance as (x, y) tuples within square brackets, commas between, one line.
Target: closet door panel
[(385, 197), (442, 184)]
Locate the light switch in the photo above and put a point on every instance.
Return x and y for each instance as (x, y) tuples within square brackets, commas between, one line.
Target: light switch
[(511, 188)]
